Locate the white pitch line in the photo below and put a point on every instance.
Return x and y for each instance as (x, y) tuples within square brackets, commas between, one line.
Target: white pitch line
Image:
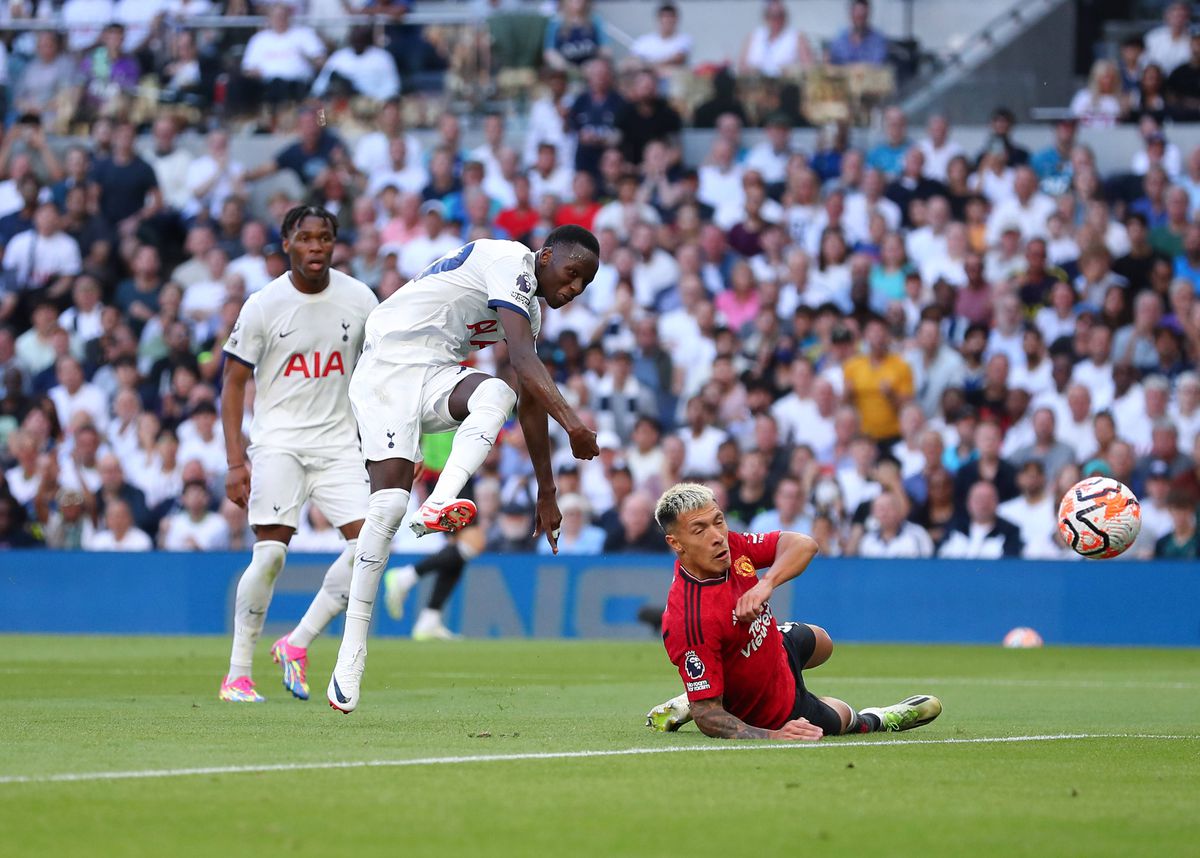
[(75, 777)]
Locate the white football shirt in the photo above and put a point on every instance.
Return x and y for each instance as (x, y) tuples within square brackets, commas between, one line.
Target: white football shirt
[(302, 349), (452, 307)]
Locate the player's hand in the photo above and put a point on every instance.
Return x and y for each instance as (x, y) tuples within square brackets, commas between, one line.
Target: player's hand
[(583, 443), (237, 485), (800, 730), (548, 520), (750, 606)]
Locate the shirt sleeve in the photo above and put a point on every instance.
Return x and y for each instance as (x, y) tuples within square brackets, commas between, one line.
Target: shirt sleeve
[(759, 547), (247, 341), (699, 663), (510, 285)]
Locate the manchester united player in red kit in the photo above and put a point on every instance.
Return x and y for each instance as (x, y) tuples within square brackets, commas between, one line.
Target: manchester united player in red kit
[(742, 672)]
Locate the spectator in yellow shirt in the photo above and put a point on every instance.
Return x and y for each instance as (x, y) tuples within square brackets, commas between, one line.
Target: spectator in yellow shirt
[(878, 383)]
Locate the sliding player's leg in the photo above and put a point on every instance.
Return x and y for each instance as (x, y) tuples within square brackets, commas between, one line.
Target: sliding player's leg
[(809, 646), (479, 405), (276, 493)]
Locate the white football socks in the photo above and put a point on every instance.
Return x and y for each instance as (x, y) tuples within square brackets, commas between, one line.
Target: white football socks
[(253, 598), (385, 511), (330, 600), (488, 410)]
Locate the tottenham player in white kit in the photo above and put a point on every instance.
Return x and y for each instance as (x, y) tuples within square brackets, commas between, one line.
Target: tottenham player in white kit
[(411, 379), (299, 337)]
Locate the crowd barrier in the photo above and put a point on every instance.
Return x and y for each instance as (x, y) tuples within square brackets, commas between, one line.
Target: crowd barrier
[(1105, 603)]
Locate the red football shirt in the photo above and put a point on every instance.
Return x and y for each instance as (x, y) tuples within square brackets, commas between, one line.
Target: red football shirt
[(718, 656)]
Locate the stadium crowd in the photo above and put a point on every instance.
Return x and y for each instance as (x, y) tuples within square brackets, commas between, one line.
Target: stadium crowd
[(906, 349)]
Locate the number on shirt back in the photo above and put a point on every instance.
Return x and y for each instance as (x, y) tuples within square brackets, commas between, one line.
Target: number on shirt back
[(448, 263)]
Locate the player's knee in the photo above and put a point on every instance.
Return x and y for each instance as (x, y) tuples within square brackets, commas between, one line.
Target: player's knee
[(823, 648), (267, 560), (386, 508), (493, 393)]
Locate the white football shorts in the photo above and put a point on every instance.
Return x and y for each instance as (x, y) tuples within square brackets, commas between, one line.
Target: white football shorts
[(282, 480), (395, 404)]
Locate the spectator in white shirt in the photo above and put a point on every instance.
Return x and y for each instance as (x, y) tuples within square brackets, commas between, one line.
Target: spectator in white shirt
[(618, 398), (700, 440), (1100, 103), (362, 68), (74, 395), (1185, 412), (773, 47), (985, 535), (24, 477), (938, 148), (892, 536), (213, 177), (1028, 208), (44, 258), (721, 180), (1074, 419), (862, 204), (195, 527), (547, 121), (402, 171), (119, 534), (438, 240), (171, 164), (769, 157), (549, 176), (283, 59), (372, 152), (82, 318), (666, 49), (1035, 514), (1169, 44), (251, 266), (1095, 372), (202, 440)]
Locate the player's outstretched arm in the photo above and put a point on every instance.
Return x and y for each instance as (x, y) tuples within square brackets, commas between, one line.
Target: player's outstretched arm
[(535, 427), (233, 406), (793, 553), (712, 719), (536, 382)]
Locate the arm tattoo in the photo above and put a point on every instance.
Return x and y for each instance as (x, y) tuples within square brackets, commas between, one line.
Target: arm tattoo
[(713, 720)]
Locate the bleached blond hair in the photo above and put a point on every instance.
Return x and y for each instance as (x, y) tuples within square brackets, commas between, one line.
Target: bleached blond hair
[(681, 498)]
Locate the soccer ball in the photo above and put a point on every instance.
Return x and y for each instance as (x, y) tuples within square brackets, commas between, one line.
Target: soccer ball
[(1099, 518), (1022, 638)]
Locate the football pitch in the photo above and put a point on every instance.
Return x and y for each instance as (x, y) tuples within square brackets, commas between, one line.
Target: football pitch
[(118, 746)]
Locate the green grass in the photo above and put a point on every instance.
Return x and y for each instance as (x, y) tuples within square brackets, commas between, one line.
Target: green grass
[(70, 705)]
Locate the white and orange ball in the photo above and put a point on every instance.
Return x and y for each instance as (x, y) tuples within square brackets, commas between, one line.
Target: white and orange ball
[(1022, 637), (1099, 518)]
